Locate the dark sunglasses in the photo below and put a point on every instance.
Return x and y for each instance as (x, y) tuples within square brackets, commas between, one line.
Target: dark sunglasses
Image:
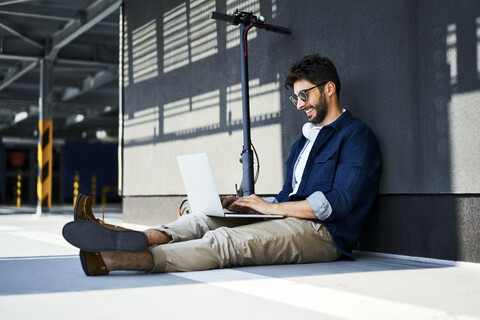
[(303, 94)]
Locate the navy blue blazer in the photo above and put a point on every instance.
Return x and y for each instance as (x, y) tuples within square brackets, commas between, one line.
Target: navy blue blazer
[(344, 164)]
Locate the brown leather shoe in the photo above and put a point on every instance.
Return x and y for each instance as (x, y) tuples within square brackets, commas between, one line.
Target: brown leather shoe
[(83, 211), (95, 237), (93, 264)]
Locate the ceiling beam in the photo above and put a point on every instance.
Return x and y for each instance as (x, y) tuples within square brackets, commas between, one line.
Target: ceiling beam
[(76, 36), (62, 61), (4, 56), (62, 107), (90, 83), (88, 17), (36, 15), (86, 63), (16, 73), (16, 33), (9, 2)]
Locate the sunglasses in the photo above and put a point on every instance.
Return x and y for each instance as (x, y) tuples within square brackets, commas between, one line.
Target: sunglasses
[(303, 94)]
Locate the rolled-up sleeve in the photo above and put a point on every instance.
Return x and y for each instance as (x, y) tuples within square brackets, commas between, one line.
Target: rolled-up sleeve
[(320, 205), (271, 199)]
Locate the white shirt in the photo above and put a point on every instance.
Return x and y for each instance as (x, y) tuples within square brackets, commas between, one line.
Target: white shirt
[(310, 131)]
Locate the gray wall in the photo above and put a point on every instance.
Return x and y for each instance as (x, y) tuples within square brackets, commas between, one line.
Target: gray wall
[(409, 69)]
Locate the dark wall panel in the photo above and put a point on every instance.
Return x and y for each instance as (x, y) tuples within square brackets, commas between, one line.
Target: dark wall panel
[(434, 226)]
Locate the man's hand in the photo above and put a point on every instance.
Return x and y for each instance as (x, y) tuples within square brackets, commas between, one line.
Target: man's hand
[(249, 203), (252, 203), (227, 201)]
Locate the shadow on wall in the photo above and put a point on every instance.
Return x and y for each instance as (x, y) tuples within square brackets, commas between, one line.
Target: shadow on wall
[(438, 217), (182, 73), (182, 76), (412, 73)]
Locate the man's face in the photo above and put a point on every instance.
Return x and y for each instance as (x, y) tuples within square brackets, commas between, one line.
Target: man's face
[(316, 106)]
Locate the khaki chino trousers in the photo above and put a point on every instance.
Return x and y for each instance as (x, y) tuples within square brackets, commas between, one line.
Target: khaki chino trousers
[(200, 242)]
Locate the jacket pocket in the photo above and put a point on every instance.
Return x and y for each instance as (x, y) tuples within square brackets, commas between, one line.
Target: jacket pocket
[(323, 171)]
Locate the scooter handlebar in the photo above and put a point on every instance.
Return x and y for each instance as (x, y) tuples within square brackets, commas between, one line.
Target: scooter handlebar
[(232, 20), (221, 17), (271, 27)]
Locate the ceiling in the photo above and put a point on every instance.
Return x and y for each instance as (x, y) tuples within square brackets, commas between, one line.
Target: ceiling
[(81, 36)]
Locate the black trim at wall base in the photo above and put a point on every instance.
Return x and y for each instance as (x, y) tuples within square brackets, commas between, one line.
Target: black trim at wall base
[(444, 226)]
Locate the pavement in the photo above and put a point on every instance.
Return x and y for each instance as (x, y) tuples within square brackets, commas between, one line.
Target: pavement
[(41, 278)]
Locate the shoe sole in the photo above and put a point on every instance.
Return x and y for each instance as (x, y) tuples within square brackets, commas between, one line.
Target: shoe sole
[(93, 237)]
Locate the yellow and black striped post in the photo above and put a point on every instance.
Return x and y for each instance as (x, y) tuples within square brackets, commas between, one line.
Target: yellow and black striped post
[(45, 141), (18, 190), (76, 184), (44, 155)]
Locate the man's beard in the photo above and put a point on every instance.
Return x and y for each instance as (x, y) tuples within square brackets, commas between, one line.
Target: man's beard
[(321, 111)]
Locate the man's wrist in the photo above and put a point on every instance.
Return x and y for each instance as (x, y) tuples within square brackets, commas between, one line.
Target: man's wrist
[(274, 208)]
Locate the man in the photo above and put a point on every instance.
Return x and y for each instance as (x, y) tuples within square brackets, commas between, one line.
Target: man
[(332, 177)]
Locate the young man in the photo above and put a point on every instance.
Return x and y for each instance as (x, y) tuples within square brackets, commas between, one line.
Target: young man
[(332, 177)]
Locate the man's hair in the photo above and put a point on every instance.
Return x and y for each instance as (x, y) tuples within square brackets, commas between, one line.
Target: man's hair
[(315, 69)]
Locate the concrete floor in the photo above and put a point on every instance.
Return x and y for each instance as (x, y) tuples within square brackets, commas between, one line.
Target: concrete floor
[(41, 278)]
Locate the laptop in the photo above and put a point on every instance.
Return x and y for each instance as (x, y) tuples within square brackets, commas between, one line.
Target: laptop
[(202, 191)]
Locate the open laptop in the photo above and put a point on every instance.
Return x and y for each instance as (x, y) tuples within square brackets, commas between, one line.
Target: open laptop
[(202, 191)]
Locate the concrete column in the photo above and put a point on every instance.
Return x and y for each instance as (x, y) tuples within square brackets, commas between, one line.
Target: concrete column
[(45, 140)]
